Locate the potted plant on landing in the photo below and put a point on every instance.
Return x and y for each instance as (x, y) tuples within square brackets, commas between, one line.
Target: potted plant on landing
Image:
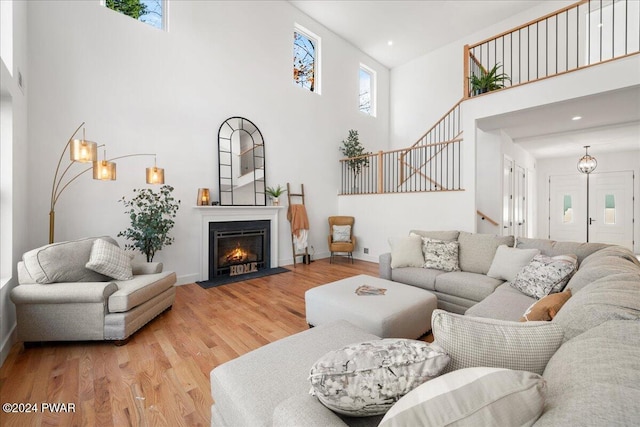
[(353, 149), (151, 217), (274, 193), (487, 81)]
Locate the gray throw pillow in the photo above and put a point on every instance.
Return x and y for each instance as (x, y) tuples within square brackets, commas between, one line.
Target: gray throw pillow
[(477, 250), (508, 262), (545, 275), (368, 378), (110, 260), (406, 252)]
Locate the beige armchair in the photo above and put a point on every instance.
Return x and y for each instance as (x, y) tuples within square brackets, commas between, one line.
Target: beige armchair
[(341, 238)]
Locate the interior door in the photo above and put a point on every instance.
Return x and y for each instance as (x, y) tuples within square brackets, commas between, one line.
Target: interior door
[(611, 208), (507, 196), (520, 202), (568, 207)]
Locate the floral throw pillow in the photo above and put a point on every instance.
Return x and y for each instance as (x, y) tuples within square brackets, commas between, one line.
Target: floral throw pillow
[(545, 275), (341, 233), (368, 378), (440, 254)]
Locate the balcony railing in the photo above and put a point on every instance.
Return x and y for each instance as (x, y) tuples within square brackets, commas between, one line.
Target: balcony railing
[(421, 168), (586, 33)]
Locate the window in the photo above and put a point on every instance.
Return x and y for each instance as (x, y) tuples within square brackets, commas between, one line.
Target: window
[(567, 211), (306, 59), (367, 90), (609, 209), (150, 12)]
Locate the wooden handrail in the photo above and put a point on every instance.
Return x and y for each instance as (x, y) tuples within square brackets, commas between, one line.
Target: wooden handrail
[(487, 218), (532, 22), (435, 144), (438, 122)]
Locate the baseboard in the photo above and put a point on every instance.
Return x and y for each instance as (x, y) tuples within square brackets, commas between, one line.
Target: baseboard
[(187, 279), (8, 342)]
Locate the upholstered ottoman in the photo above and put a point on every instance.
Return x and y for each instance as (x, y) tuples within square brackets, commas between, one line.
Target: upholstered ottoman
[(403, 311)]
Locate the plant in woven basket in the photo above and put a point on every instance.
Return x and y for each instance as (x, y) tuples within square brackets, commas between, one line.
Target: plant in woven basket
[(151, 215)]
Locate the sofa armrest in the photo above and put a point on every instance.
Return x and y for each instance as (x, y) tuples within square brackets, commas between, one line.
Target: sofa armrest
[(63, 293), (304, 410), (384, 265), (146, 267)]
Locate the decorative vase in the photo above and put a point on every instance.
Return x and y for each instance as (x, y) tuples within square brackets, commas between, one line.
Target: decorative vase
[(275, 201)]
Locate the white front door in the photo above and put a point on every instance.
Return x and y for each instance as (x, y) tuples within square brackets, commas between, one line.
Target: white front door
[(609, 217), (507, 196), (611, 208), (520, 203)]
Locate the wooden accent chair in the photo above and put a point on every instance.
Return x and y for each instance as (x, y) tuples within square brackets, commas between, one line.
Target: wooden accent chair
[(341, 238)]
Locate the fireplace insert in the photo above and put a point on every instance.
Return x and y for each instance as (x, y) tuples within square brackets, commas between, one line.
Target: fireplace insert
[(238, 247)]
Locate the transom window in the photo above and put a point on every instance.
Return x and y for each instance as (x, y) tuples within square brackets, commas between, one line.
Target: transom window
[(306, 59), (152, 12), (367, 90)]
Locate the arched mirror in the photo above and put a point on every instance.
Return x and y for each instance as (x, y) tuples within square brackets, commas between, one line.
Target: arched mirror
[(241, 163)]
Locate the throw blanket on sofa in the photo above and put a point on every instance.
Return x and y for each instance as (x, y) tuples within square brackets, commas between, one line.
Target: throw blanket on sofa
[(297, 216)]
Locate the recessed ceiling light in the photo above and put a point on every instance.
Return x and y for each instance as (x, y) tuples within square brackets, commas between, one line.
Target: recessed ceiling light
[(390, 43), (575, 118)]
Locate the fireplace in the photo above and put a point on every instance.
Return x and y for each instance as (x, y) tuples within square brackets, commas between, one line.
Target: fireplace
[(238, 247)]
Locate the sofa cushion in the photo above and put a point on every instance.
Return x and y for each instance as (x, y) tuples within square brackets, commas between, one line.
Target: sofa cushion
[(244, 389), (545, 275), (108, 259), (368, 378), (406, 252), (508, 262), (615, 297), (448, 236), (476, 341), (594, 379), (424, 278), (477, 250), (546, 308), (63, 262), (506, 303), (440, 254), (467, 285), (140, 289), (554, 248), (472, 397), (593, 269)]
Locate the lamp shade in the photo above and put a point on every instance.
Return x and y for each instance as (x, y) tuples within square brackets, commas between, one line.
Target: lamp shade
[(104, 170), (155, 175), (83, 151), (204, 198), (587, 163)]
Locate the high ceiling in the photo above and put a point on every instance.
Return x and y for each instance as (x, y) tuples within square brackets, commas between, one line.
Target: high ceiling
[(419, 27), (414, 27)]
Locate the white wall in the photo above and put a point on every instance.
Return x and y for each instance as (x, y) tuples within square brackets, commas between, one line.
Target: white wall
[(144, 90), (14, 170), (607, 162)]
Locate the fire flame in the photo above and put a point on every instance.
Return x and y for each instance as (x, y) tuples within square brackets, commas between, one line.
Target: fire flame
[(238, 254)]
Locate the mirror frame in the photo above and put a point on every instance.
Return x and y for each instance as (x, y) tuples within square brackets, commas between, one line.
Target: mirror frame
[(226, 178)]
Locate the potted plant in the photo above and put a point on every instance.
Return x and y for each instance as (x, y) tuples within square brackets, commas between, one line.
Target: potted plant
[(151, 217), (274, 193), (353, 149), (487, 81)]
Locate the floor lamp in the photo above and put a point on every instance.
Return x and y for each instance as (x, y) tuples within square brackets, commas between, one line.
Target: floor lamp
[(587, 164), (84, 151)]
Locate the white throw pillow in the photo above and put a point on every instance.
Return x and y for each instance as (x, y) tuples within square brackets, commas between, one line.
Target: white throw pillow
[(545, 275), (341, 233), (507, 262), (472, 397), (368, 378), (406, 251), (440, 255), (108, 259)]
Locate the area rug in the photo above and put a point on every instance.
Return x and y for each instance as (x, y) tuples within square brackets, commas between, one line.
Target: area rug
[(206, 284)]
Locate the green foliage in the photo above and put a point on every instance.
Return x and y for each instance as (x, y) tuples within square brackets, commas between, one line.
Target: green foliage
[(151, 217), (132, 8), (275, 191), (351, 148), (488, 80)]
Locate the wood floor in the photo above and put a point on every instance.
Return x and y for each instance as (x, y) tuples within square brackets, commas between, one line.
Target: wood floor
[(161, 377)]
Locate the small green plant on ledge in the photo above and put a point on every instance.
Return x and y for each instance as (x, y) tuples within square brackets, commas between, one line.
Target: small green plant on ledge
[(151, 217), (487, 81), (275, 193)]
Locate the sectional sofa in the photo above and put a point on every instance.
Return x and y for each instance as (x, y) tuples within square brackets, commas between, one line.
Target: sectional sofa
[(587, 355)]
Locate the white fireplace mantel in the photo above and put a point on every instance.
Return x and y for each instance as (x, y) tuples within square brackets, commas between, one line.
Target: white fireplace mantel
[(236, 213)]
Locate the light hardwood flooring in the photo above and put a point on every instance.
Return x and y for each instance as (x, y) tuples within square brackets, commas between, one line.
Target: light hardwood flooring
[(161, 376)]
